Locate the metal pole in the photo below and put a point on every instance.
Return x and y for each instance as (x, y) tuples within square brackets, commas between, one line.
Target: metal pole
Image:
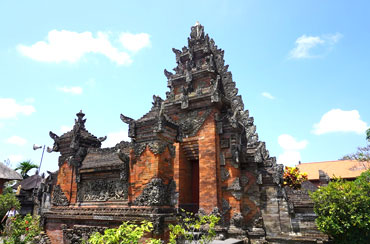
[(42, 155)]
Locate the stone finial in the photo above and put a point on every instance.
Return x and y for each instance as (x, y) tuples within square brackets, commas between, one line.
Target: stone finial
[(80, 121)]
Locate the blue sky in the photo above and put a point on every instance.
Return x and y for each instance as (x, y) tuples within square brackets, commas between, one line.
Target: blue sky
[(302, 68)]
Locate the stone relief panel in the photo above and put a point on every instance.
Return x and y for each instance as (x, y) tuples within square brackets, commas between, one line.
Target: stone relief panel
[(59, 198), (156, 193), (103, 190), (80, 234)]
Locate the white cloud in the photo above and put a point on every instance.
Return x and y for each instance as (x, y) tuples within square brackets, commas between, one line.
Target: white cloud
[(287, 142), (337, 120), (64, 128), (15, 158), (16, 140), (115, 137), (267, 95), (9, 108), (306, 44), (291, 154), (134, 42), (76, 90), (69, 46), (289, 158)]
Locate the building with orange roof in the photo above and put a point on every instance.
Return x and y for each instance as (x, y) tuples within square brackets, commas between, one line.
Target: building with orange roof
[(345, 169)]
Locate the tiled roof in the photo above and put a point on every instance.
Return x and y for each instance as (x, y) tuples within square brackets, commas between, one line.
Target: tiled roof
[(340, 168)]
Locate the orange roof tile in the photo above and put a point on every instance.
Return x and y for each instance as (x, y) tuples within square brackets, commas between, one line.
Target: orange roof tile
[(340, 168)]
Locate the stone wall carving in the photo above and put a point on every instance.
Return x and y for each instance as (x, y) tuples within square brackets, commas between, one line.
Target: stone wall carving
[(156, 193), (157, 147), (103, 190), (58, 198), (80, 233), (191, 122)]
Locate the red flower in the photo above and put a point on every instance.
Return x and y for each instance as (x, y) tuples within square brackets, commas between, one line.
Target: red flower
[(26, 228)]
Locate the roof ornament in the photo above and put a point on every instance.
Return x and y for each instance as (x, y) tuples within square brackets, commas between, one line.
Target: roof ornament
[(80, 121), (197, 31)]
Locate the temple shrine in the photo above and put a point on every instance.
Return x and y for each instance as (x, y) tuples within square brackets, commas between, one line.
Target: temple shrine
[(197, 149)]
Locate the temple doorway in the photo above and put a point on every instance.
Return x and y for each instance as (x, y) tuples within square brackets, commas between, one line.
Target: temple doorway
[(189, 194)]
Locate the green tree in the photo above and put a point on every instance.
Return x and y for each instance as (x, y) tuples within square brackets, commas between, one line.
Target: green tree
[(6, 202), (26, 166), (343, 209)]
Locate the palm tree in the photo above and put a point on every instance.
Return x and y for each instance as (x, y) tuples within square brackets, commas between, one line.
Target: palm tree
[(26, 166)]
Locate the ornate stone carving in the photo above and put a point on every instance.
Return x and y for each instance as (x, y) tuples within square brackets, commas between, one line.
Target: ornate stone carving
[(259, 179), (157, 147), (225, 206), (191, 122), (184, 99), (80, 233), (73, 145), (101, 190), (222, 159), (131, 123), (278, 173), (158, 226), (237, 220), (156, 193), (244, 180), (235, 188), (224, 174), (225, 143), (58, 197), (168, 74), (215, 90)]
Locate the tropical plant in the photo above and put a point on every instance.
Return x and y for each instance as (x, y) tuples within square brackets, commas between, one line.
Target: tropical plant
[(293, 177), (125, 233), (23, 230), (25, 167), (7, 201), (343, 209), (194, 228)]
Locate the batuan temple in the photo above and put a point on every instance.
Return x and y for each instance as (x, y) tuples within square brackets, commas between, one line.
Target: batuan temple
[(197, 150)]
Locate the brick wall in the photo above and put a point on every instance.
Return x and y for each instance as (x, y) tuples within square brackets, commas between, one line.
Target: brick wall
[(147, 167), (67, 181), (208, 161), (54, 232)]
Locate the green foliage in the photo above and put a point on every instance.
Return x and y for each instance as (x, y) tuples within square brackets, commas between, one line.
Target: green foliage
[(6, 202), (7, 189), (23, 230), (293, 177), (187, 229), (26, 166), (343, 209), (189, 226), (362, 154), (125, 233)]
